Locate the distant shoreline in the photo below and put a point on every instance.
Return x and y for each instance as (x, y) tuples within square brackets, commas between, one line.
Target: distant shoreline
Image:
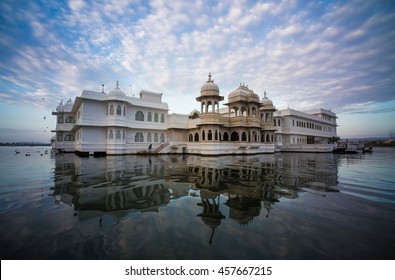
[(20, 144)]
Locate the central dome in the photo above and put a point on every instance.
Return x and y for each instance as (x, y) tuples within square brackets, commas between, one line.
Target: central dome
[(243, 93), (117, 91), (210, 86)]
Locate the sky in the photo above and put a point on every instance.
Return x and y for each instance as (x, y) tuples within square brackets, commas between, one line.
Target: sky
[(337, 55)]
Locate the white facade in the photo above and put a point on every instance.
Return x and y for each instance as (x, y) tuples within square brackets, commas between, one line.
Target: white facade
[(98, 123), (111, 123), (305, 131)]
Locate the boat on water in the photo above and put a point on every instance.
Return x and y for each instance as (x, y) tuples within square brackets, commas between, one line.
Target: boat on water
[(346, 147), (367, 149)]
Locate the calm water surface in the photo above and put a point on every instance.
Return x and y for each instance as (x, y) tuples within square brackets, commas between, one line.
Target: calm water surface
[(278, 206)]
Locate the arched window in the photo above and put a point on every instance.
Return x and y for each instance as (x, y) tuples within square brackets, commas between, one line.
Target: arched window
[(209, 135), (190, 137), (149, 136), (156, 137), (119, 110), (118, 134), (60, 120), (267, 138), (156, 117), (203, 135), (162, 138), (149, 118), (226, 136), (139, 116), (279, 123), (69, 137), (70, 119), (244, 136), (111, 109), (234, 136), (216, 135), (196, 137), (59, 136), (111, 134), (124, 110), (139, 137), (162, 118)]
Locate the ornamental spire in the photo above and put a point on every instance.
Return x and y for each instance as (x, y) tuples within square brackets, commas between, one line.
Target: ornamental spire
[(209, 78)]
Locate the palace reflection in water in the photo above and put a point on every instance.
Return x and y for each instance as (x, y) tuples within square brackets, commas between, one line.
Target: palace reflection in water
[(238, 188)]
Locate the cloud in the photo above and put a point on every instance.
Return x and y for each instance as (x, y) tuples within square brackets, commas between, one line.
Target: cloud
[(330, 55)]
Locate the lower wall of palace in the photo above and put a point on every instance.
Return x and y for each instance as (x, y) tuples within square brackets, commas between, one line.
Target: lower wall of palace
[(198, 148), (305, 148)]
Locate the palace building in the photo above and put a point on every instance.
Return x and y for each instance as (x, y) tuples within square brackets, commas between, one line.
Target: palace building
[(99, 123)]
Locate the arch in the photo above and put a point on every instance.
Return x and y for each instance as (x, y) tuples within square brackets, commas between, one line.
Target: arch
[(119, 110), (111, 134), (190, 137), (69, 137), (234, 111), (254, 136), (139, 116), (267, 138), (162, 137), (243, 111), (139, 137), (69, 119), (111, 109), (216, 135), (149, 117), (203, 135), (156, 137), (225, 136), (243, 136), (156, 117), (209, 104), (149, 137), (162, 118), (196, 138), (118, 134), (254, 112), (234, 136), (209, 135)]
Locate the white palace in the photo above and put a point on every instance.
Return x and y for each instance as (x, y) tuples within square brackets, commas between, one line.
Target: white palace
[(99, 123)]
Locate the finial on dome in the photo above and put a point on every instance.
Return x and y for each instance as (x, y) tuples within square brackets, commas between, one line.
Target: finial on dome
[(209, 77), (102, 88), (264, 93), (117, 84)]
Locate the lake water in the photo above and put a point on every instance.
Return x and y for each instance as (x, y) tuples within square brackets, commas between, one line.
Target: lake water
[(277, 206)]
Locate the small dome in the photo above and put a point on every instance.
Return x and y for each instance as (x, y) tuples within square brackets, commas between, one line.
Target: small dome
[(209, 86), (243, 93), (68, 106), (266, 102), (117, 91), (60, 107)]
